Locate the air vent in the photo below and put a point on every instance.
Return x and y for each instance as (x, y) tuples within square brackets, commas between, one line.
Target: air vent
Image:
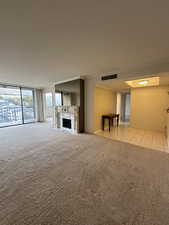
[(109, 77)]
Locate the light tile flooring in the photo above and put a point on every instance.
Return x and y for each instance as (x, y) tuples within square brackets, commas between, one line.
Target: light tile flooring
[(144, 138)]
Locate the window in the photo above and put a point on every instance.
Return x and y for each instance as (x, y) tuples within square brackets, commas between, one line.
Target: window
[(28, 105), (16, 105), (58, 98), (49, 108)]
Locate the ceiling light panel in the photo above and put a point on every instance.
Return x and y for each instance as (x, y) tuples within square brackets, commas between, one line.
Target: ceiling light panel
[(147, 82)]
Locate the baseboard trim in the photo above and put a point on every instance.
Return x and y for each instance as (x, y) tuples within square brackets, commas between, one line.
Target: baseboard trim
[(97, 131)]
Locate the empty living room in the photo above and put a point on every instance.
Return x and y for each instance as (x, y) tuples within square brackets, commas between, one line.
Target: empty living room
[(84, 112)]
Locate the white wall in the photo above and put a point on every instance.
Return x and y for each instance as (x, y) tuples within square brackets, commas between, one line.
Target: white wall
[(148, 108), (104, 103), (89, 105), (98, 101), (168, 129), (118, 106), (127, 107)]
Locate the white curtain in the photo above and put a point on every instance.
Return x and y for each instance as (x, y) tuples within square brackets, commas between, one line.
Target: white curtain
[(39, 105)]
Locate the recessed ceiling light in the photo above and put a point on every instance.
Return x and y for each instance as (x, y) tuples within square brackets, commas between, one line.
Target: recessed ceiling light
[(143, 82), (151, 81)]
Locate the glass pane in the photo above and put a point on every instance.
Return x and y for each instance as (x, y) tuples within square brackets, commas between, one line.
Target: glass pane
[(10, 106), (67, 99), (58, 99), (49, 108), (28, 105)]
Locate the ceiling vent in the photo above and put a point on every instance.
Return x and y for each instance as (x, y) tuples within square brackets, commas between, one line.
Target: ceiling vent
[(109, 77)]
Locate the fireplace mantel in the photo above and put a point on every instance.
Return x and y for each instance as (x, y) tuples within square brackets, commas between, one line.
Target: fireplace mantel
[(70, 113)]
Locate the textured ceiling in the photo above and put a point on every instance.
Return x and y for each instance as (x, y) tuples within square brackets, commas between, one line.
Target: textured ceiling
[(42, 42)]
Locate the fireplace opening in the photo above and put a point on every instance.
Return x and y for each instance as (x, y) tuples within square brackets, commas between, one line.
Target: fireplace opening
[(67, 123)]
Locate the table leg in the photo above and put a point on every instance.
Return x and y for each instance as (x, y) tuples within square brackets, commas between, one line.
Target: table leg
[(109, 124), (103, 124), (112, 119), (117, 121)]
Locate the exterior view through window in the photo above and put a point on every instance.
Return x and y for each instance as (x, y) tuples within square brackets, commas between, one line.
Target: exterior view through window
[(58, 98), (16, 106), (49, 105), (49, 108)]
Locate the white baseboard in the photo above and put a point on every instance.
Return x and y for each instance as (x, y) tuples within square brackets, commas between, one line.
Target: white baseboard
[(98, 131)]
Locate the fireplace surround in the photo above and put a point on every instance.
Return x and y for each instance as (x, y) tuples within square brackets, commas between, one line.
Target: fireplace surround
[(71, 106), (66, 123), (67, 118)]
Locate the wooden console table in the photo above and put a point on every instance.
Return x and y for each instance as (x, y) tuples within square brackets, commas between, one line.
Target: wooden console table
[(110, 118)]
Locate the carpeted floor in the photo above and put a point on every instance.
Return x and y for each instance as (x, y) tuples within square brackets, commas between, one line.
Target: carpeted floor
[(49, 177)]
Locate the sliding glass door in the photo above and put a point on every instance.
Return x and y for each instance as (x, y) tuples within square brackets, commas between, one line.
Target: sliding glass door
[(27, 97), (10, 106), (16, 105)]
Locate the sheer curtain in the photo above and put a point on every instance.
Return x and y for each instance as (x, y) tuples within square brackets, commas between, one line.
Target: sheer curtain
[(39, 105)]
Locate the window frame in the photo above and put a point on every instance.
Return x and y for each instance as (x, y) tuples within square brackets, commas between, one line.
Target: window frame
[(20, 88)]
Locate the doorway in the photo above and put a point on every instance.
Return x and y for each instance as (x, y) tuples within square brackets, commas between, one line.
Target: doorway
[(124, 106)]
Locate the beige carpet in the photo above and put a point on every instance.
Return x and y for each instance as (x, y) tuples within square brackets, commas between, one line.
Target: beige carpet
[(49, 177)]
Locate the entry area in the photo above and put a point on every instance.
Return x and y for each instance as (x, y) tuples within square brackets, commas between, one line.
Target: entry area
[(141, 111), (144, 138)]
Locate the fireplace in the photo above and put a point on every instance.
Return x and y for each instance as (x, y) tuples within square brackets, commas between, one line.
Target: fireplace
[(66, 123), (67, 117)]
